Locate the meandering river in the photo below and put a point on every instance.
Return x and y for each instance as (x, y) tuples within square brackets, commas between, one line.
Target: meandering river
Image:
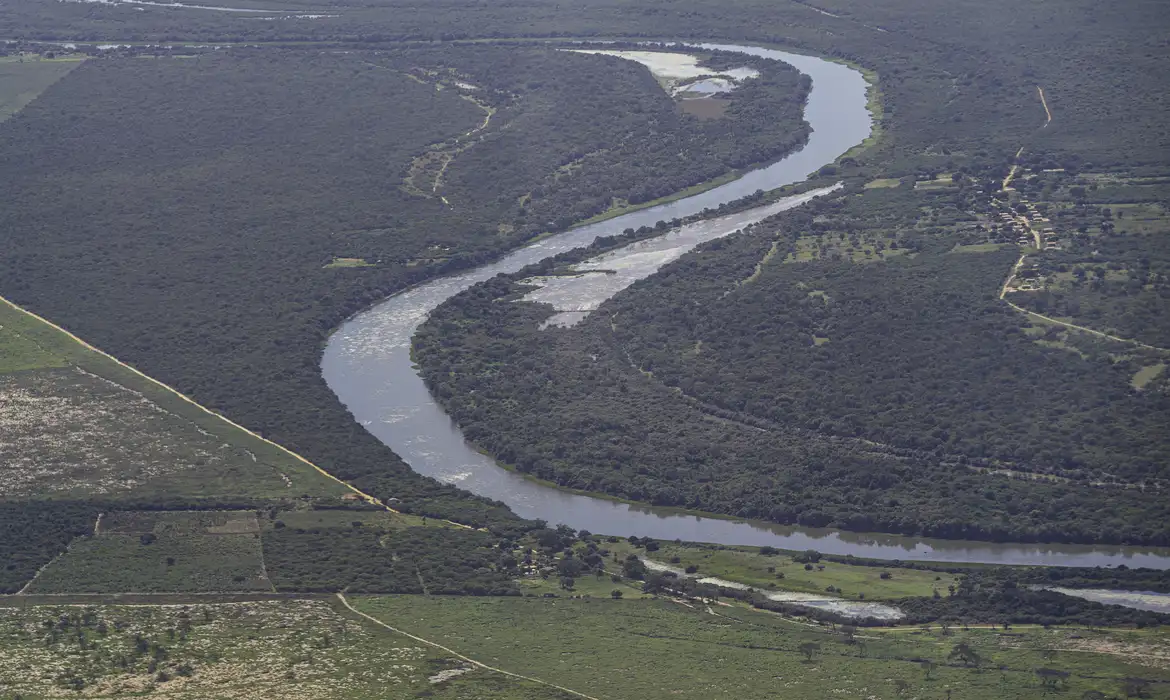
[(367, 364)]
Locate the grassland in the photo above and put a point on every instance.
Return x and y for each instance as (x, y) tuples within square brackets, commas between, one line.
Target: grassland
[(77, 424), (349, 262), (1147, 374), (663, 649), (22, 78), (781, 571), (304, 649)]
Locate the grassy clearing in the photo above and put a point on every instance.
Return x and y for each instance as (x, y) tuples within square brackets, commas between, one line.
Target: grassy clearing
[(1147, 374), (304, 649), (348, 262), (1139, 218), (782, 572), (19, 352), (943, 180), (162, 552), (882, 182), (660, 649), (23, 78), (586, 585), (80, 424), (979, 248)]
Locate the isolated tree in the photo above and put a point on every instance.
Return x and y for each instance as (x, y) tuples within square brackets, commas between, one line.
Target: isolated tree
[(850, 633), (901, 687), (965, 653), (928, 667), (809, 649), (1135, 687), (615, 594), (1050, 678)]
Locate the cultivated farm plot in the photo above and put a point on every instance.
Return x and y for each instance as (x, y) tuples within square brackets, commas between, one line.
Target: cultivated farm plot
[(303, 649), (162, 552), (75, 424)]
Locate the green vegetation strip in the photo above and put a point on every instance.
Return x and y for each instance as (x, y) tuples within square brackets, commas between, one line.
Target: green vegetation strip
[(664, 649)]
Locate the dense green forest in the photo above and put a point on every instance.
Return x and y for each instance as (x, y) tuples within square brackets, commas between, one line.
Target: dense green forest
[(957, 79), (235, 180), (816, 390), (916, 352)]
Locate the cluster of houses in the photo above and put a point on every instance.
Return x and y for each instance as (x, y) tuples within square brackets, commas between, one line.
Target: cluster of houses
[(1028, 279), (1030, 228)]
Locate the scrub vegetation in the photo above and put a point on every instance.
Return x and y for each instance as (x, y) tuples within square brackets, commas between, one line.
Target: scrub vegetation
[(309, 649)]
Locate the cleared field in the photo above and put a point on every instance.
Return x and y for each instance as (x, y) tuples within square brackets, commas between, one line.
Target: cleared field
[(661, 649), (69, 433), (162, 552), (22, 78), (304, 649), (76, 424), (19, 353)]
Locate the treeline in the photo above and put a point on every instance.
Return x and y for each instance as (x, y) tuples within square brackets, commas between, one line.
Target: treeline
[(1120, 578), (993, 600), (34, 533), (1021, 606), (925, 383)]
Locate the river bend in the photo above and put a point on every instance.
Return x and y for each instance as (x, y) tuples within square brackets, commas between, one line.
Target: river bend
[(367, 364)]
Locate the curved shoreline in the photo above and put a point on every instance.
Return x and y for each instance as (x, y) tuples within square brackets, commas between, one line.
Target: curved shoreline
[(367, 364)]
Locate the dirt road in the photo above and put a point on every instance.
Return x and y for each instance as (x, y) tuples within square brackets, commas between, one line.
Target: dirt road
[(457, 655)]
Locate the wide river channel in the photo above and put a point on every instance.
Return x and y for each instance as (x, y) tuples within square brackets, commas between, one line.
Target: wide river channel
[(367, 364)]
